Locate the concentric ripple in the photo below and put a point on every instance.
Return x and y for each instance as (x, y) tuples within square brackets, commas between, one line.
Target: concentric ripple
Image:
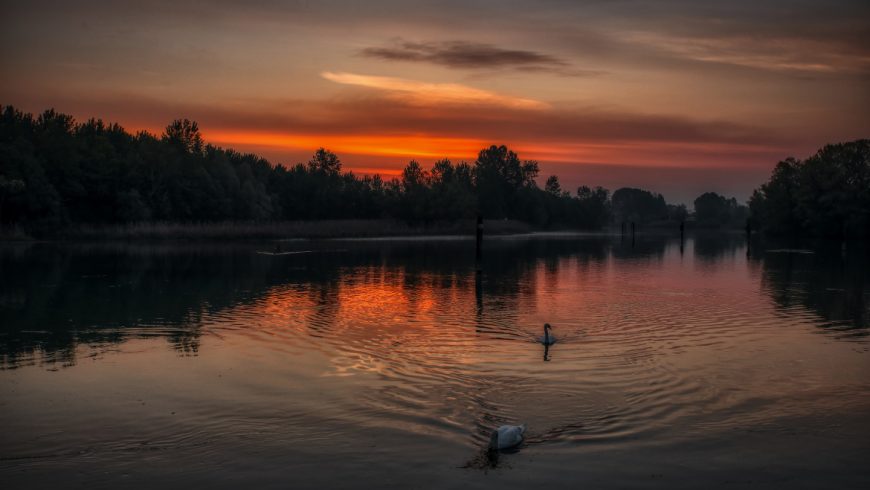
[(381, 353)]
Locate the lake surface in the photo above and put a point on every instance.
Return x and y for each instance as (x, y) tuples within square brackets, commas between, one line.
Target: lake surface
[(386, 364)]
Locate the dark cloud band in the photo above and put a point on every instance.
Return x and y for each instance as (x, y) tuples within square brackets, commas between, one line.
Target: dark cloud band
[(463, 54), (473, 56)]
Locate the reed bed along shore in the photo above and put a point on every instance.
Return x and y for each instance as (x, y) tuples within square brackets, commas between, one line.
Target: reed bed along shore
[(272, 230)]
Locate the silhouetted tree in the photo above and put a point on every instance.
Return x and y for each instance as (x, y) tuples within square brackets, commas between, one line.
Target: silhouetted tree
[(552, 186), (595, 205), (827, 194), (638, 205), (453, 192), (9, 188), (324, 161), (499, 177), (714, 210), (414, 201), (57, 173), (184, 134), (677, 212)]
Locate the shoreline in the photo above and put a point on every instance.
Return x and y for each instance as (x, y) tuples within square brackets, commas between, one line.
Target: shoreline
[(282, 231), (350, 230)]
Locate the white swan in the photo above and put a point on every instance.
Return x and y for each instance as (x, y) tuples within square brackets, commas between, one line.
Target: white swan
[(506, 437), (547, 339)]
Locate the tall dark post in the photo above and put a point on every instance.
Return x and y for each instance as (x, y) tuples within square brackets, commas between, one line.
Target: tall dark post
[(748, 237), (682, 235), (478, 249), (632, 233)]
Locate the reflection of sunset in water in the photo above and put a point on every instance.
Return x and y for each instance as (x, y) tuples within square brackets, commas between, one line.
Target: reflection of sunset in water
[(402, 348)]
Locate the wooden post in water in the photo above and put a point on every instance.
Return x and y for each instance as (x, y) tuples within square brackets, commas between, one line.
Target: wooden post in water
[(682, 235), (748, 237), (478, 249)]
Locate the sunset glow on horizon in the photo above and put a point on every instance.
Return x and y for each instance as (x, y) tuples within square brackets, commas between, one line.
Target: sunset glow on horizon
[(680, 99)]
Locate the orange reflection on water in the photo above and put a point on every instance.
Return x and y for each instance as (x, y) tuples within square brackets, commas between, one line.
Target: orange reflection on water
[(376, 320)]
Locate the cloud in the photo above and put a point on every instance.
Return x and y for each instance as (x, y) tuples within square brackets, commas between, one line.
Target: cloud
[(379, 134), (423, 93), (769, 53), (560, 133), (474, 56), (462, 54)]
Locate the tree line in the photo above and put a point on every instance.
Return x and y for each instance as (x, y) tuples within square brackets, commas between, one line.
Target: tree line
[(827, 194), (56, 173)]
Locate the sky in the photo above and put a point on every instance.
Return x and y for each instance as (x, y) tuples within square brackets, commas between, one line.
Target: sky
[(679, 97)]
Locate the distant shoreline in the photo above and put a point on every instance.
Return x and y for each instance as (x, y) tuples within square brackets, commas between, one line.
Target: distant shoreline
[(356, 229), (285, 230)]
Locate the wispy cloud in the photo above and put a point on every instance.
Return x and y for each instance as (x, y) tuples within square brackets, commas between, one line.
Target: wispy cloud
[(648, 136), (475, 56), (423, 93), (377, 133), (462, 54), (770, 53)]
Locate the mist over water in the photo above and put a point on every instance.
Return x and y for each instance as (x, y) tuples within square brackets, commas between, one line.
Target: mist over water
[(388, 362)]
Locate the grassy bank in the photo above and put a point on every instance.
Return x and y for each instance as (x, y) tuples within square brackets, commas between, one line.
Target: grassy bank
[(278, 230)]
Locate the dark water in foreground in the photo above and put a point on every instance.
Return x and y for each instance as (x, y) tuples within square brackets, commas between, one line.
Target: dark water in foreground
[(386, 363)]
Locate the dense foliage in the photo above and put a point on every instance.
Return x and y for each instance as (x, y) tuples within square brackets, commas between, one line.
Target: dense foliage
[(638, 205), (55, 172), (827, 194), (714, 210)]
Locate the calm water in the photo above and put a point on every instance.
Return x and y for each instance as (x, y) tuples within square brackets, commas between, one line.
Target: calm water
[(386, 363)]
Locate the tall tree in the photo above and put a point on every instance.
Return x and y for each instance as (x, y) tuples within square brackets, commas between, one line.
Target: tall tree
[(499, 176), (828, 194), (638, 205)]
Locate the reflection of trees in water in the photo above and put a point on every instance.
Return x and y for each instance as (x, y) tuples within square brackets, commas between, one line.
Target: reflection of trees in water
[(642, 248), (828, 282), (712, 247), (70, 295), (508, 283), (54, 297)]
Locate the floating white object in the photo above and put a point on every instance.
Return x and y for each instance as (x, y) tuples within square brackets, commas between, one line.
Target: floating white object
[(507, 436)]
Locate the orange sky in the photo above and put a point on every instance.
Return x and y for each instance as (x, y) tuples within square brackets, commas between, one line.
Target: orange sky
[(679, 98)]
